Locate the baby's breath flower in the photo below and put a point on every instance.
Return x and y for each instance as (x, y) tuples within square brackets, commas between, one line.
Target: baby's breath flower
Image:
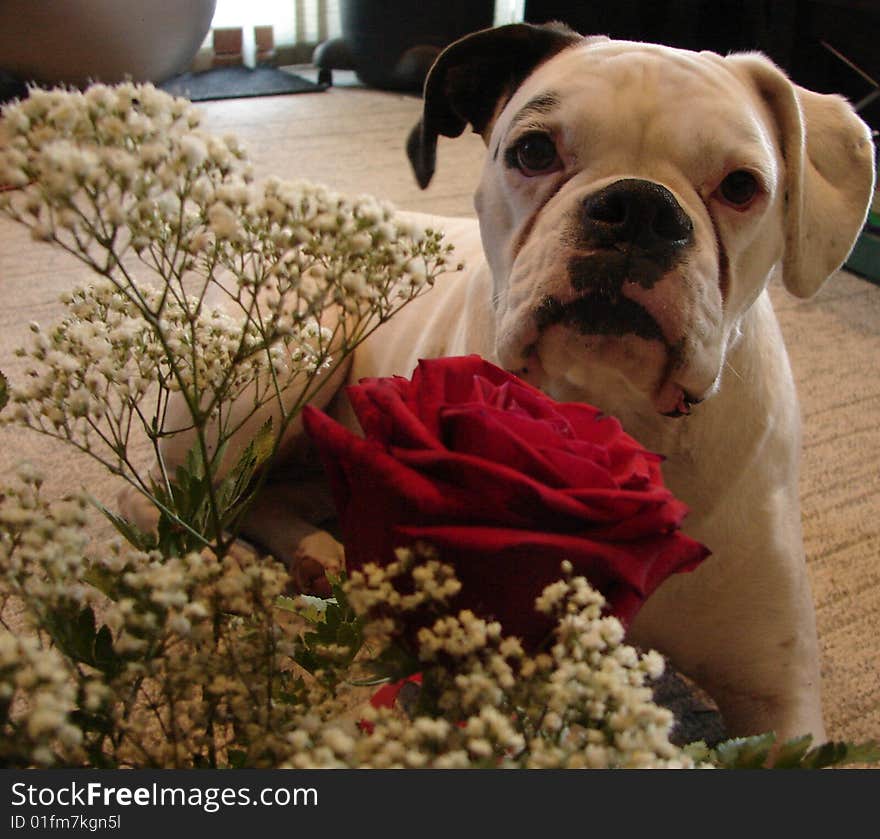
[(126, 169), (46, 695)]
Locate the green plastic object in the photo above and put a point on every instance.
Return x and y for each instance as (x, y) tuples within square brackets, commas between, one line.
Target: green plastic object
[(865, 258)]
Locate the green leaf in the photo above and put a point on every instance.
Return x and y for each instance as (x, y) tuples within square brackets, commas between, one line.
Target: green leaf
[(103, 580), (204, 503), (745, 752), (841, 753), (311, 609), (127, 529), (232, 492), (791, 753), (338, 592), (194, 505), (185, 500), (194, 464), (192, 483), (753, 753), (237, 758), (341, 627), (76, 635), (263, 443)]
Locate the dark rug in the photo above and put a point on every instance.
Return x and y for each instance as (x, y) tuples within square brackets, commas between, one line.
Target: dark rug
[(238, 83)]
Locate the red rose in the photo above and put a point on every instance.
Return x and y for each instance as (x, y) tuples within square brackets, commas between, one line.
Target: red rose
[(506, 483)]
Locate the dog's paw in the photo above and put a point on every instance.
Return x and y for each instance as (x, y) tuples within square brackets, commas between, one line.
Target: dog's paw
[(309, 560), (316, 555)]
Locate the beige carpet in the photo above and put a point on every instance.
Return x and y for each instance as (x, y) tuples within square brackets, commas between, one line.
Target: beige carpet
[(353, 140)]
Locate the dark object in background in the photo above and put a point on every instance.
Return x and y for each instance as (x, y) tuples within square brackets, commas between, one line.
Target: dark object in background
[(392, 44), (717, 25), (76, 42), (791, 32), (231, 82), (11, 88)]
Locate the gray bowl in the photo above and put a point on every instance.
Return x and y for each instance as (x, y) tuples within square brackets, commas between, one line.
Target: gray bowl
[(75, 42)]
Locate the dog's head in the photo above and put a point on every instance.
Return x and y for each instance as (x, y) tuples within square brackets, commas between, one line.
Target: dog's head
[(636, 199)]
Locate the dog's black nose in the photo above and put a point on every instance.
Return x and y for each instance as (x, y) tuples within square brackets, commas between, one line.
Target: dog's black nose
[(637, 212)]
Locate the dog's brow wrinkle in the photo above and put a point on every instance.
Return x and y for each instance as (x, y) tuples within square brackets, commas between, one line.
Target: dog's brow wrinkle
[(540, 105), (527, 228), (723, 262)]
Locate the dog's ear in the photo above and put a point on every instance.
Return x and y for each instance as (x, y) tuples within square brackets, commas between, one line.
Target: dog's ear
[(471, 76), (829, 174)]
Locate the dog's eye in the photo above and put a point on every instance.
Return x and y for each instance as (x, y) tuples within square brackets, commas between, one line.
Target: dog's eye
[(535, 154), (739, 189)]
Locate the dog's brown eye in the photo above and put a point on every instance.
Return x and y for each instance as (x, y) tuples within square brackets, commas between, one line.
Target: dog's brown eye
[(535, 154), (739, 189)]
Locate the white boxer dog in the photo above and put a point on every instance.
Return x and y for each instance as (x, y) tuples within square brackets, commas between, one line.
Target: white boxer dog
[(635, 203)]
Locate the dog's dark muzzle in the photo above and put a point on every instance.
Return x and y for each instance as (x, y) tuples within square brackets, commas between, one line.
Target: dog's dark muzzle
[(631, 232)]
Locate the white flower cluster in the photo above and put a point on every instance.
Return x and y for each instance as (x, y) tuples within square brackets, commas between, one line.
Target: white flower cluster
[(212, 291), (373, 590), (586, 703), (204, 657), (188, 661), (598, 707), (36, 685), (182, 665), (126, 168), (41, 545), (88, 378)]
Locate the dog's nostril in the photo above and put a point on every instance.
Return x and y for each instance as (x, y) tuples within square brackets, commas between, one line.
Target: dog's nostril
[(672, 224), (609, 209)]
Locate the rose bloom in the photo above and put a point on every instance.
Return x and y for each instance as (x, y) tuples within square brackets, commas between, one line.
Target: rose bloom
[(506, 483)]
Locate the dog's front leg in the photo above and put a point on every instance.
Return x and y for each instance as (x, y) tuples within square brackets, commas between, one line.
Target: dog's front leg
[(285, 521), (743, 624)]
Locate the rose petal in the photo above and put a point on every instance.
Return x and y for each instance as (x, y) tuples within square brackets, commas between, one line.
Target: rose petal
[(386, 415), (520, 444), (589, 424), (372, 490), (583, 467), (440, 382), (505, 495)]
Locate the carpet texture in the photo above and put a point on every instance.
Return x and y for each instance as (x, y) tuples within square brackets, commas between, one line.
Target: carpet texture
[(353, 140)]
